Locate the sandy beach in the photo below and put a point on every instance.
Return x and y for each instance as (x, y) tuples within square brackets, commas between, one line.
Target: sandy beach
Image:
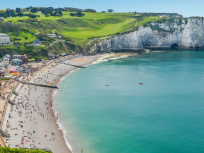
[(31, 122)]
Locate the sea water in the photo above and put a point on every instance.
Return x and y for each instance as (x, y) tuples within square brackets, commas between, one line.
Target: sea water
[(103, 109)]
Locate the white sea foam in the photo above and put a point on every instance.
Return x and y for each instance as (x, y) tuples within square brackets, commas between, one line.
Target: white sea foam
[(60, 124), (61, 127), (111, 59)]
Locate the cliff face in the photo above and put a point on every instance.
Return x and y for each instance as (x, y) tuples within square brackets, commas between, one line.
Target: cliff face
[(183, 33)]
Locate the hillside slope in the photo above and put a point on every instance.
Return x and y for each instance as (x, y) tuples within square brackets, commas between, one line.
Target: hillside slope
[(76, 31)]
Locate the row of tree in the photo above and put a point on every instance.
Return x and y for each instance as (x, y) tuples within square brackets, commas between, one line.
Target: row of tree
[(69, 9), (48, 11), (78, 14), (14, 13), (109, 11)]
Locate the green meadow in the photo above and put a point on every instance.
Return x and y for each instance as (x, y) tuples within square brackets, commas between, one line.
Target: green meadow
[(78, 29)]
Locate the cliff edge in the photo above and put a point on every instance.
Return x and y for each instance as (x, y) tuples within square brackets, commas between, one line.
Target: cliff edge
[(167, 33)]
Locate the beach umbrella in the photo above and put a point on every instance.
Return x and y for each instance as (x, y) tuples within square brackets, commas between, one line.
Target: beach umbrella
[(15, 73), (48, 83), (12, 70)]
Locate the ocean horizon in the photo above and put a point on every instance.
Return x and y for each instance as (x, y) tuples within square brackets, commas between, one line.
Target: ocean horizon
[(105, 109)]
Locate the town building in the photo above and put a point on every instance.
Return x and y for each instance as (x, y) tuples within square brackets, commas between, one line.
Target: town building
[(17, 56), (54, 36), (6, 60), (51, 35), (23, 58), (17, 61), (50, 54), (37, 42), (4, 39)]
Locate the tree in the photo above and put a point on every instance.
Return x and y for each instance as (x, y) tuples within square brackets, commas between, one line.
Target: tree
[(18, 10), (10, 12), (60, 13), (89, 10), (110, 10), (55, 13), (20, 14), (78, 14), (34, 10), (8, 9), (72, 14), (32, 16)]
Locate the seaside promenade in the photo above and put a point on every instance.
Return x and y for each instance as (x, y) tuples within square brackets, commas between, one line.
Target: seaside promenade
[(7, 89)]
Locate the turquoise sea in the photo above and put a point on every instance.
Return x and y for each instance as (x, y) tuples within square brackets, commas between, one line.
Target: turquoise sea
[(164, 115)]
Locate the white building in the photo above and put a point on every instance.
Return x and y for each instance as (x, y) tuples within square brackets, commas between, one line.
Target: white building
[(50, 54), (6, 60), (16, 62), (54, 36), (4, 39), (17, 56), (51, 35)]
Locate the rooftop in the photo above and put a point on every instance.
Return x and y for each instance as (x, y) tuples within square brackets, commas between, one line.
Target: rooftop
[(3, 34)]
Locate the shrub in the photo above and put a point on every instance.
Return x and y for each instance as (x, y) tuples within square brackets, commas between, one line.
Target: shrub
[(21, 150)]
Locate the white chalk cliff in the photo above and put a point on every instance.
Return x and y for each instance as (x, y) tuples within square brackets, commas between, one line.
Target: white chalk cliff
[(184, 33)]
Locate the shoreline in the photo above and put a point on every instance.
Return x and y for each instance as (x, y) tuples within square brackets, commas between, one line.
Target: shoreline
[(60, 138), (53, 98), (103, 58), (58, 122)]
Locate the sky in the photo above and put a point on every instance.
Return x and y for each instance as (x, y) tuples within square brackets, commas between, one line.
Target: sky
[(185, 7)]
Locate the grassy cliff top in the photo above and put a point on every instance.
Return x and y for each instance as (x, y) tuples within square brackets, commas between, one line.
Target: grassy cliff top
[(77, 31)]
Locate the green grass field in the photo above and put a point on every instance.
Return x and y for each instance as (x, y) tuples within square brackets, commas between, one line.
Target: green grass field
[(104, 30), (88, 15), (79, 29), (145, 20)]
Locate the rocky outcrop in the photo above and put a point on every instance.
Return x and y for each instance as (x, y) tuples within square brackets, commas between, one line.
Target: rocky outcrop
[(181, 33)]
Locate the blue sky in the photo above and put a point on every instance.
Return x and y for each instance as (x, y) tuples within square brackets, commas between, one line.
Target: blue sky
[(184, 7)]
